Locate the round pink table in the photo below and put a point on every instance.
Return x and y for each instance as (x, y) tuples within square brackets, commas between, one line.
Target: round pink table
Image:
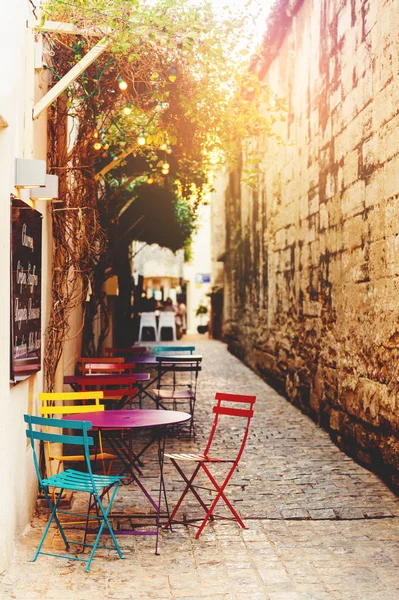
[(112, 423), (133, 419)]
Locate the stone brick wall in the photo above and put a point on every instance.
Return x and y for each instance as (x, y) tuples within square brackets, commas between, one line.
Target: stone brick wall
[(312, 254)]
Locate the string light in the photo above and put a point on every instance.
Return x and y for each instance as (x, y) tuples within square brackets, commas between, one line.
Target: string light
[(127, 110), (150, 180), (173, 76), (122, 84), (95, 134), (97, 146), (165, 168), (141, 140), (164, 146), (169, 150)]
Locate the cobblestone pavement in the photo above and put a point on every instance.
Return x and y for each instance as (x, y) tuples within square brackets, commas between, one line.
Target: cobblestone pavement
[(319, 525)]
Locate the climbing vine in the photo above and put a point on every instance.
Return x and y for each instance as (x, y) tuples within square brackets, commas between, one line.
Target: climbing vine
[(170, 97)]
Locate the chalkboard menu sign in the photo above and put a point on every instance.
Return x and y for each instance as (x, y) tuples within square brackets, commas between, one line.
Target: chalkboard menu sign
[(26, 260)]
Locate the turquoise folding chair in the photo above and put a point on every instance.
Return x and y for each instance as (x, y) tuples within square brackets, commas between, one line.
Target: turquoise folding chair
[(174, 349), (73, 480)]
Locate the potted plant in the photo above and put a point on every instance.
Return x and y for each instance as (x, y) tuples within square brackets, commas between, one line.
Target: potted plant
[(201, 311)]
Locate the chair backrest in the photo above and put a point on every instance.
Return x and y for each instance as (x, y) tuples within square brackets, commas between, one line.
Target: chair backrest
[(163, 349), (226, 406), (106, 367), (181, 363), (113, 386), (46, 436), (53, 403), (82, 362), (167, 319), (105, 381), (122, 352), (148, 319)]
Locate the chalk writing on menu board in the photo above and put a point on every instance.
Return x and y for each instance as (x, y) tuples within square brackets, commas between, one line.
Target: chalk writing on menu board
[(26, 257)]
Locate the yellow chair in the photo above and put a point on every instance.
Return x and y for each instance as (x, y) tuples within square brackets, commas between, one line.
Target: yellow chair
[(53, 405)]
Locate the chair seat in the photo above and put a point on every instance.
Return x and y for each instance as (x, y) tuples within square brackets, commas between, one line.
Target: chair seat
[(81, 458), (196, 458), (170, 394), (76, 480)]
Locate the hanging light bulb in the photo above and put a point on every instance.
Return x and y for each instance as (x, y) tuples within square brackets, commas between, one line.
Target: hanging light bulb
[(127, 109), (173, 76), (122, 84), (150, 180), (97, 146), (164, 146), (141, 140), (165, 168), (169, 150)]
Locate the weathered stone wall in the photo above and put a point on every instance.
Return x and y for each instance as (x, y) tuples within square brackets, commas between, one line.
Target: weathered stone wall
[(312, 263)]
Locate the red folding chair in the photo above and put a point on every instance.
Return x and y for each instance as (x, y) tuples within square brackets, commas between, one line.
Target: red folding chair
[(82, 361), (132, 351), (117, 389), (205, 459)]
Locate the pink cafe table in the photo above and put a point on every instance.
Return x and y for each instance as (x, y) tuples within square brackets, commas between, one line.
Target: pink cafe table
[(113, 425)]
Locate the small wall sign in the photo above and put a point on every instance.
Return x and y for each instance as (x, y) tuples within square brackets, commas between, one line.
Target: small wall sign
[(202, 278), (26, 281)]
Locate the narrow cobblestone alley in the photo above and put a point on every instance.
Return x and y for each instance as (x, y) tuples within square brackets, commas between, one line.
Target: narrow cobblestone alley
[(319, 525)]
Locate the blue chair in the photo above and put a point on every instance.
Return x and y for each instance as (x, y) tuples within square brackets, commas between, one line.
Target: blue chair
[(174, 349), (73, 480)]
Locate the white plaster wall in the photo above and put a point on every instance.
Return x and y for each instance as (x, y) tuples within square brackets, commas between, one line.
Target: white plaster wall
[(200, 263), (218, 227), (19, 487)]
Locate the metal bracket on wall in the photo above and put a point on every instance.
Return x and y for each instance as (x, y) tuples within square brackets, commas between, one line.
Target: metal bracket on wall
[(84, 63)]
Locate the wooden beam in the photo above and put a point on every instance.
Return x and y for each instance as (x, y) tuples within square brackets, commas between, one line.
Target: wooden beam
[(66, 28), (115, 162), (69, 78)]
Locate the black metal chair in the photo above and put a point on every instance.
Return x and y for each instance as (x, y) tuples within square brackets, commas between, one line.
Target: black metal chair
[(181, 388)]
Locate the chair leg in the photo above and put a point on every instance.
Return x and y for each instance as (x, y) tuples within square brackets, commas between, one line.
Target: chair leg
[(104, 521), (220, 494), (53, 516), (89, 507), (186, 489), (161, 450)]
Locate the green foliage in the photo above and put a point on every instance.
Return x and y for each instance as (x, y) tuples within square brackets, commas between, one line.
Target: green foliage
[(162, 217), (188, 83), (201, 310)]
